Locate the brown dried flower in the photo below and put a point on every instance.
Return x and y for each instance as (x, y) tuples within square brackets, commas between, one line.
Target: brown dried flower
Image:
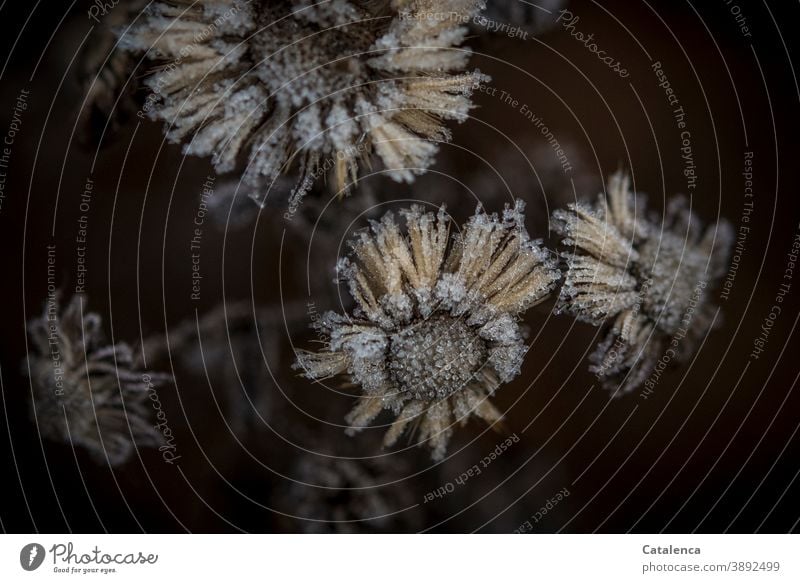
[(320, 84), (647, 279), (435, 332)]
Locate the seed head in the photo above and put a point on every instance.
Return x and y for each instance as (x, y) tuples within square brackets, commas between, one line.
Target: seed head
[(435, 332), (87, 393), (314, 85), (647, 279)]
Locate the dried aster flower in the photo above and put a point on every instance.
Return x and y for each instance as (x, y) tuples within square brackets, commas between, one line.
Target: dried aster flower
[(322, 84), (85, 392), (646, 278), (435, 330)]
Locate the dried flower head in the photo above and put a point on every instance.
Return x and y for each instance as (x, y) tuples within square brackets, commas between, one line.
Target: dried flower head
[(435, 330), (533, 17), (320, 83), (648, 278), (85, 392)]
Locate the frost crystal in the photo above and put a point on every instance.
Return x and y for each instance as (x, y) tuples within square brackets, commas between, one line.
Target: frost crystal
[(647, 278), (320, 84), (87, 393), (434, 333)]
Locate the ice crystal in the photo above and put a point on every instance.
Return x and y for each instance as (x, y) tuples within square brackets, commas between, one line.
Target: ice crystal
[(435, 330), (646, 279), (85, 392), (317, 86)]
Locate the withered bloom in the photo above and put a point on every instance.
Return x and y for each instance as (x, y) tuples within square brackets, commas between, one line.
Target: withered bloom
[(646, 279), (313, 86), (435, 332), (85, 392)]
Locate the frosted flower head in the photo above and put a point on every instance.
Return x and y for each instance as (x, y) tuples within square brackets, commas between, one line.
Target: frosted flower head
[(87, 393), (435, 331), (316, 86), (645, 278)]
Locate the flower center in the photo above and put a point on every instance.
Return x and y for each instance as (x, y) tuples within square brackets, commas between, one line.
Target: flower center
[(435, 358), (303, 61), (678, 278)]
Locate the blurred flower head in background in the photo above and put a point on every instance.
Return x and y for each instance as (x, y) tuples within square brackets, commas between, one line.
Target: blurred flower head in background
[(86, 392), (338, 495)]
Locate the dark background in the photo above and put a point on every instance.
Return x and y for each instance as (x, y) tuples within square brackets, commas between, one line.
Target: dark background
[(714, 449)]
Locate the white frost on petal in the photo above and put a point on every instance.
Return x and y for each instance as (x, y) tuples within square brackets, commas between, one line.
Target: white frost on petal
[(441, 330)]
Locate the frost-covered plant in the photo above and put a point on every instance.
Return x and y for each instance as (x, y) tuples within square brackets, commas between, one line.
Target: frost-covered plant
[(85, 392), (435, 331), (645, 278), (316, 85)]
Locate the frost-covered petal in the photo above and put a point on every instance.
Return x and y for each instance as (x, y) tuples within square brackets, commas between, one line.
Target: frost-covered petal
[(268, 86), (442, 331), (648, 280)]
